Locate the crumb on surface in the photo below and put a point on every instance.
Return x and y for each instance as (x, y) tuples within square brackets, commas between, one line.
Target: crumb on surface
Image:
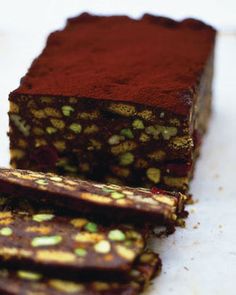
[(192, 201), (196, 225)]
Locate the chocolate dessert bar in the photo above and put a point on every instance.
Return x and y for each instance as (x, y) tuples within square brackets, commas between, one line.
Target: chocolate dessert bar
[(112, 201), (116, 100), (40, 238), (15, 282)]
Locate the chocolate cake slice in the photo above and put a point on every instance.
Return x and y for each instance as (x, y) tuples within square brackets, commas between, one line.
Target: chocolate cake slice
[(15, 282), (111, 202), (116, 100), (40, 238)]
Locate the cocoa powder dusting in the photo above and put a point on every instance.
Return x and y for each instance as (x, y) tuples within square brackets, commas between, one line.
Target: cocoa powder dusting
[(155, 60)]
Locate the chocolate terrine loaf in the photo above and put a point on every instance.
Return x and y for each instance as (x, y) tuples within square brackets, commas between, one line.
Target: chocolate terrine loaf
[(116, 100)]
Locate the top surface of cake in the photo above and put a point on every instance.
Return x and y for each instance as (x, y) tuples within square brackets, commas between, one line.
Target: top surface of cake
[(155, 60)]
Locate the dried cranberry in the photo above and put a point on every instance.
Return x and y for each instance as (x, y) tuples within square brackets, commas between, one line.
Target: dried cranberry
[(157, 191), (178, 169), (45, 157)]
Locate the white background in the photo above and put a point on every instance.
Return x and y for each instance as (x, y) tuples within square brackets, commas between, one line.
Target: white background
[(198, 260), (39, 15)]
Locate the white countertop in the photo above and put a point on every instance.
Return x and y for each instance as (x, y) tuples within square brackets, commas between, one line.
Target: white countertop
[(200, 259), (44, 15)]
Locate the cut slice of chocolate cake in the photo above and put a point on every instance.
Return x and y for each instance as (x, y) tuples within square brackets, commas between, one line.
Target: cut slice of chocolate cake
[(111, 202), (15, 282), (57, 243)]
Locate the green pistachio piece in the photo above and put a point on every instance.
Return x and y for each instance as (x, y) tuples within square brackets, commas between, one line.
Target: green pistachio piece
[(126, 159), (67, 110), (115, 139), (107, 190), (91, 227), (138, 124), (20, 124), (27, 275), (127, 132), (167, 132), (46, 241), (153, 174), (76, 128), (42, 217), (81, 252), (117, 195), (116, 235), (51, 130), (152, 130), (5, 231), (41, 181), (102, 247)]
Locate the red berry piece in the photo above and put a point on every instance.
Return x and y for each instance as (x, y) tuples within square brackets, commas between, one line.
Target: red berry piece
[(157, 191), (178, 169), (45, 157)]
